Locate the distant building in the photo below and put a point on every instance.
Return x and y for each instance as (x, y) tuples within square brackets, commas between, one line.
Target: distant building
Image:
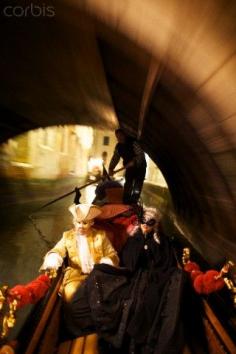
[(61, 151), (48, 153), (103, 147)]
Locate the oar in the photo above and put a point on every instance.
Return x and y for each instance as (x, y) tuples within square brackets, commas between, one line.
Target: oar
[(74, 190), (105, 174)]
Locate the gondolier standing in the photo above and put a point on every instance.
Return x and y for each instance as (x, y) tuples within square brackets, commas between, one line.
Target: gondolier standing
[(134, 162)]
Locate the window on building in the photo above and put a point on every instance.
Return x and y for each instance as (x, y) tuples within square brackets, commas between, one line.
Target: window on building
[(106, 140)]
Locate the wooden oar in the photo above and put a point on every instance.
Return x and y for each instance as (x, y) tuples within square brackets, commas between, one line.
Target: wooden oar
[(75, 190)]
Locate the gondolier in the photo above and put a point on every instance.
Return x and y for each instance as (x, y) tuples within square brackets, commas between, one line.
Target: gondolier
[(134, 162)]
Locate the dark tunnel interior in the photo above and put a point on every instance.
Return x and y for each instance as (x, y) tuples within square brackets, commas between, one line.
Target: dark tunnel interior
[(167, 77)]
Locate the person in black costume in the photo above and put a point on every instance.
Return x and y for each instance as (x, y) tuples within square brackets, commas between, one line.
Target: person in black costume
[(152, 328), (135, 308), (134, 162)]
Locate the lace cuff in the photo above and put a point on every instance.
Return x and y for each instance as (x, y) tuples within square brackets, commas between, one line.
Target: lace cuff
[(106, 260)]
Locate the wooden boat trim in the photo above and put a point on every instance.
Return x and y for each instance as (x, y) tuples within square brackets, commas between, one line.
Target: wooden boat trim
[(218, 328), (43, 320)]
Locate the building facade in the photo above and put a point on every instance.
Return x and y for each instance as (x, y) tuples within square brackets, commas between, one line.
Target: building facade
[(62, 151)]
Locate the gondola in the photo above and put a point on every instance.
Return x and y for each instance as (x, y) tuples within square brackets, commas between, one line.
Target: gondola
[(43, 331)]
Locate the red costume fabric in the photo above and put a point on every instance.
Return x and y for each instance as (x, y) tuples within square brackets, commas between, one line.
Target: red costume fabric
[(31, 292), (117, 225), (204, 283), (208, 282)]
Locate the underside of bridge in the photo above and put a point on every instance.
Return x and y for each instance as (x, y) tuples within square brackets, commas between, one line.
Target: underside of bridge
[(163, 70)]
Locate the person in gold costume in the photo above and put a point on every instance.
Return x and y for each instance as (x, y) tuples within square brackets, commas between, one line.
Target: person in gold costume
[(84, 246)]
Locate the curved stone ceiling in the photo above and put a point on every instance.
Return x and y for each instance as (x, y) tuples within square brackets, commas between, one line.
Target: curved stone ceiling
[(164, 70)]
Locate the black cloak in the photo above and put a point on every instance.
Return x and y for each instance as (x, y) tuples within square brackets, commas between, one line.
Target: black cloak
[(134, 308)]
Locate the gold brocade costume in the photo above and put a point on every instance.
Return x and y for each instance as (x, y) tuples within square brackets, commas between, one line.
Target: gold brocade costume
[(99, 247)]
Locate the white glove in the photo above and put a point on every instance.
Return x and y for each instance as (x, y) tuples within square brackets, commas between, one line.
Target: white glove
[(52, 261)]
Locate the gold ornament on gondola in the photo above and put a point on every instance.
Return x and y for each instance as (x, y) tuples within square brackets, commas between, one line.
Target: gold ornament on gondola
[(52, 273), (3, 291), (229, 282), (7, 312), (186, 255), (9, 319)]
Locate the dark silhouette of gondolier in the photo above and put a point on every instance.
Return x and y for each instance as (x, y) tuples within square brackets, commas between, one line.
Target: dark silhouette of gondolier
[(134, 162)]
